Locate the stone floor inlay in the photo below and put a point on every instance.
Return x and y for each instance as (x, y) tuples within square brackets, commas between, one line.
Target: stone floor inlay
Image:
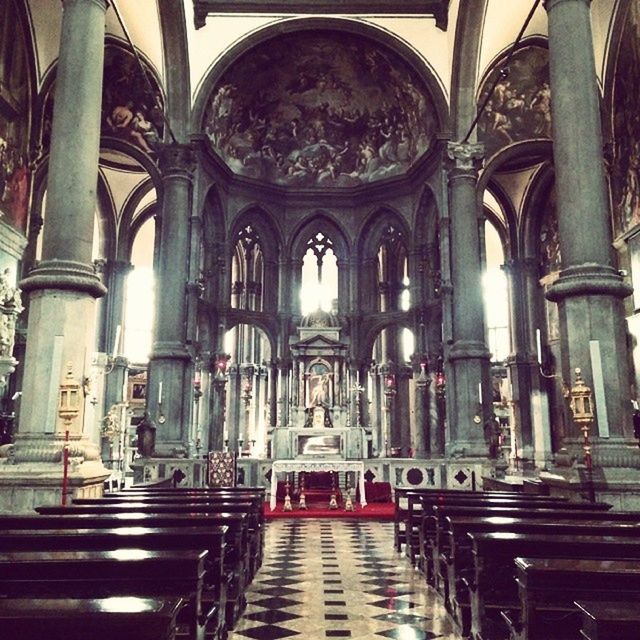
[(288, 596)]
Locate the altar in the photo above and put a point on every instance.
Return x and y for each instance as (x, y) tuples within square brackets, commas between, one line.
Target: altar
[(284, 466)]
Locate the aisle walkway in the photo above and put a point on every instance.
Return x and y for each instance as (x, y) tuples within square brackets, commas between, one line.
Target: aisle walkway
[(339, 579)]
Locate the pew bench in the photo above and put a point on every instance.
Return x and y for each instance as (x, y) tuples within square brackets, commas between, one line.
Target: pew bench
[(123, 573), (609, 620), (197, 539), (455, 554), (128, 618), (548, 587), (492, 587)]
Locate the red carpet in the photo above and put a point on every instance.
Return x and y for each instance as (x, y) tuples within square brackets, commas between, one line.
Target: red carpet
[(382, 511)]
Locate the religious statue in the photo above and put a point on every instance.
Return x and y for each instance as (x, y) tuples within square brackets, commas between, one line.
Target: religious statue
[(319, 385), (10, 307)]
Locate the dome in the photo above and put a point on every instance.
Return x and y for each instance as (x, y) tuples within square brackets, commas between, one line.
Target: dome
[(320, 319)]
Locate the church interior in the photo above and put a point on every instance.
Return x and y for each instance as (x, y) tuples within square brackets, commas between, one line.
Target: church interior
[(358, 252)]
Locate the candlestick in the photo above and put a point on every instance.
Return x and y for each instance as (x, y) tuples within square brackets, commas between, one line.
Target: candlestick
[(538, 346), (160, 392), (480, 392)]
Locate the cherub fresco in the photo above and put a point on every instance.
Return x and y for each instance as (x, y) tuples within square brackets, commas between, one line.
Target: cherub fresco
[(340, 113), (520, 106)]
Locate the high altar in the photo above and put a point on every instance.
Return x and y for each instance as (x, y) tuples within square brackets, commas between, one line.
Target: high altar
[(323, 422)]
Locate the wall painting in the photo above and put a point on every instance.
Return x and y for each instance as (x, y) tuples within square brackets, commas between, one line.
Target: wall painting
[(321, 108)]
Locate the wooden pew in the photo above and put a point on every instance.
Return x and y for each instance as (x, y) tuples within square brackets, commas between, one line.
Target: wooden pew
[(79, 619), (254, 518), (548, 588), (207, 538), (493, 588), (236, 564), (428, 502), (403, 505), (432, 524), (161, 575), (456, 557), (237, 600), (255, 499), (609, 620)]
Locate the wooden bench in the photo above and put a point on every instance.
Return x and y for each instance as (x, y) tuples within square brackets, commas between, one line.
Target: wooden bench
[(403, 505), (493, 587), (163, 575), (433, 520), (78, 619), (548, 587), (455, 553), (147, 538), (427, 503), (237, 550), (251, 503), (609, 620)]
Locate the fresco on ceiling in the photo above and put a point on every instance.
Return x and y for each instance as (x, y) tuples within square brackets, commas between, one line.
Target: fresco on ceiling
[(129, 110), (625, 165), (520, 107), (322, 109), (14, 127)]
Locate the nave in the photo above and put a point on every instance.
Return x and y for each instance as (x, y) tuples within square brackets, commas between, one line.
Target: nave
[(339, 579)]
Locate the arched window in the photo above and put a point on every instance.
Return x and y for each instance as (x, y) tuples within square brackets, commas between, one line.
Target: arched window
[(319, 282), (247, 271), (496, 296), (393, 274), (139, 300)]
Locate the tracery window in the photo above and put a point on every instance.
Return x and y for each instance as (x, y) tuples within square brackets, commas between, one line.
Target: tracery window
[(247, 271), (319, 282)]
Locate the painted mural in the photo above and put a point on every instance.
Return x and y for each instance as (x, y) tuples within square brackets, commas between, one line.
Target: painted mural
[(550, 256), (14, 126), (625, 166), (320, 109), (520, 107), (129, 110)]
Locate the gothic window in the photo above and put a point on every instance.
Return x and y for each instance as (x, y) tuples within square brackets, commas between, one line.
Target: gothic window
[(496, 296), (247, 271), (319, 282), (139, 296), (393, 276)]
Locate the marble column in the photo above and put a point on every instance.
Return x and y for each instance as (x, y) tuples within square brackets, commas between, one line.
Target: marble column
[(589, 291), (169, 387), (468, 355), (421, 383), (64, 286)]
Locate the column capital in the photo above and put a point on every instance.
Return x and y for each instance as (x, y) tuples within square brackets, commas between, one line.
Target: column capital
[(465, 156), (177, 160)]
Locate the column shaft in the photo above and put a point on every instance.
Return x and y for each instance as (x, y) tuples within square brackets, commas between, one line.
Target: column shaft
[(468, 355), (589, 291)]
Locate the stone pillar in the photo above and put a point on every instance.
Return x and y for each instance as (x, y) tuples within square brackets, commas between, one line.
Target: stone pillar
[(64, 286), (217, 403), (589, 290), (169, 388), (468, 355), (421, 383)]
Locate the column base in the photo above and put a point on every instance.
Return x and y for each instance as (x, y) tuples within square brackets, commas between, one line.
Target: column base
[(25, 486)]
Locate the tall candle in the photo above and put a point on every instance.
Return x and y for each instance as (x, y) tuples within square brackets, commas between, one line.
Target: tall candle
[(539, 346), (160, 392), (480, 392)]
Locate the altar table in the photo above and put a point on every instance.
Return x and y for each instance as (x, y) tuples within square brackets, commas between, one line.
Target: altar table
[(282, 466)]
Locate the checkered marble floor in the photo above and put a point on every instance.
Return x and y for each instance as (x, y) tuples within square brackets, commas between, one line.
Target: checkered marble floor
[(339, 579)]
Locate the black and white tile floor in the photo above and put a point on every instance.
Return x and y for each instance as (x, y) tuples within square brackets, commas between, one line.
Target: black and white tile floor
[(339, 579)]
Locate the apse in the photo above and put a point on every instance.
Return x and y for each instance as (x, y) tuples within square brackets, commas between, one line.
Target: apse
[(320, 109)]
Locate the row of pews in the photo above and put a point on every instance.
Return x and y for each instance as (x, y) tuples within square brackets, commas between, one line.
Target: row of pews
[(525, 567), (145, 563)]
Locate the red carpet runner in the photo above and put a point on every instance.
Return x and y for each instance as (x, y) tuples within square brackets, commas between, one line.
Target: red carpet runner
[(381, 511)]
